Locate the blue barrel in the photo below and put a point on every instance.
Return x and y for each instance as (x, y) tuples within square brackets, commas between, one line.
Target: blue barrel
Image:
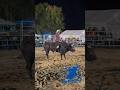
[(72, 75)]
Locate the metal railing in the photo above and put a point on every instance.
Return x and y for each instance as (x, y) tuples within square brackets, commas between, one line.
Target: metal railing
[(40, 39)]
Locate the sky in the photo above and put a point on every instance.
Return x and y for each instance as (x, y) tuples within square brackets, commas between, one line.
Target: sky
[(102, 4), (74, 13)]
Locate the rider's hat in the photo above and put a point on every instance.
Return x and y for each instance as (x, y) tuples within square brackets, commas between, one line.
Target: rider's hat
[(59, 30)]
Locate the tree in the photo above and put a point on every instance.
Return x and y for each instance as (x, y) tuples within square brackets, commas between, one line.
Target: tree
[(48, 18)]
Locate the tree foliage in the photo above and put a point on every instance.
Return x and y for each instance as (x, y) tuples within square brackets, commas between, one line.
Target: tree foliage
[(48, 18)]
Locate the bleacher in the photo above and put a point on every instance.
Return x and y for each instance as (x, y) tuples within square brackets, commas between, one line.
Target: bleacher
[(12, 33), (9, 37), (101, 38)]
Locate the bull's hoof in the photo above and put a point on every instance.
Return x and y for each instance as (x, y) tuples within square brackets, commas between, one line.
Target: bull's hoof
[(47, 58)]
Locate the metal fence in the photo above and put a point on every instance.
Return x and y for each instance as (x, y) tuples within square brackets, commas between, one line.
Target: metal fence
[(104, 43), (40, 39), (11, 36)]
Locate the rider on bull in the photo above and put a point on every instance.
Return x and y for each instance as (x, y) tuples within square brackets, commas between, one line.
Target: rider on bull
[(56, 37)]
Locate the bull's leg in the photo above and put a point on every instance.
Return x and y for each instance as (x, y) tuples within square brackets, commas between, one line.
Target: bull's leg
[(47, 54), (61, 56), (53, 50), (64, 56)]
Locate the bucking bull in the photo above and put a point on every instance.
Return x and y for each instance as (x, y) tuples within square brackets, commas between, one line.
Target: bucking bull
[(61, 47)]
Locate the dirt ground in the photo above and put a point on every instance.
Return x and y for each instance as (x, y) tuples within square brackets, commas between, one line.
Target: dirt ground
[(13, 75), (77, 57), (103, 74)]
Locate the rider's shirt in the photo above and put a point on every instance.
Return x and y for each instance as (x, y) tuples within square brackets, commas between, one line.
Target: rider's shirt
[(57, 37)]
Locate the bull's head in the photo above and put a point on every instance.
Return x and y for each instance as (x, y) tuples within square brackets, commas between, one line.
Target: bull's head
[(71, 48)]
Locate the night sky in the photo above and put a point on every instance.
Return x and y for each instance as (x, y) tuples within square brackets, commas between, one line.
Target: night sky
[(102, 4), (74, 16), (74, 10)]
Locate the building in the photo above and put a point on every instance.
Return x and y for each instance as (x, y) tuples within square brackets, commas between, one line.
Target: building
[(74, 36)]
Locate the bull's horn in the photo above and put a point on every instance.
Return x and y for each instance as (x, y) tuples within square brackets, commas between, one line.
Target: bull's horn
[(58, 46), (72, 45)]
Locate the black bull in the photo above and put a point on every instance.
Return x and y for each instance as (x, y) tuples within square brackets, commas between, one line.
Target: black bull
[(61, 47), (28, 51)]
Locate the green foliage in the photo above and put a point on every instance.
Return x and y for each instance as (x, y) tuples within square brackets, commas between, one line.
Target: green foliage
[(48, 18)]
